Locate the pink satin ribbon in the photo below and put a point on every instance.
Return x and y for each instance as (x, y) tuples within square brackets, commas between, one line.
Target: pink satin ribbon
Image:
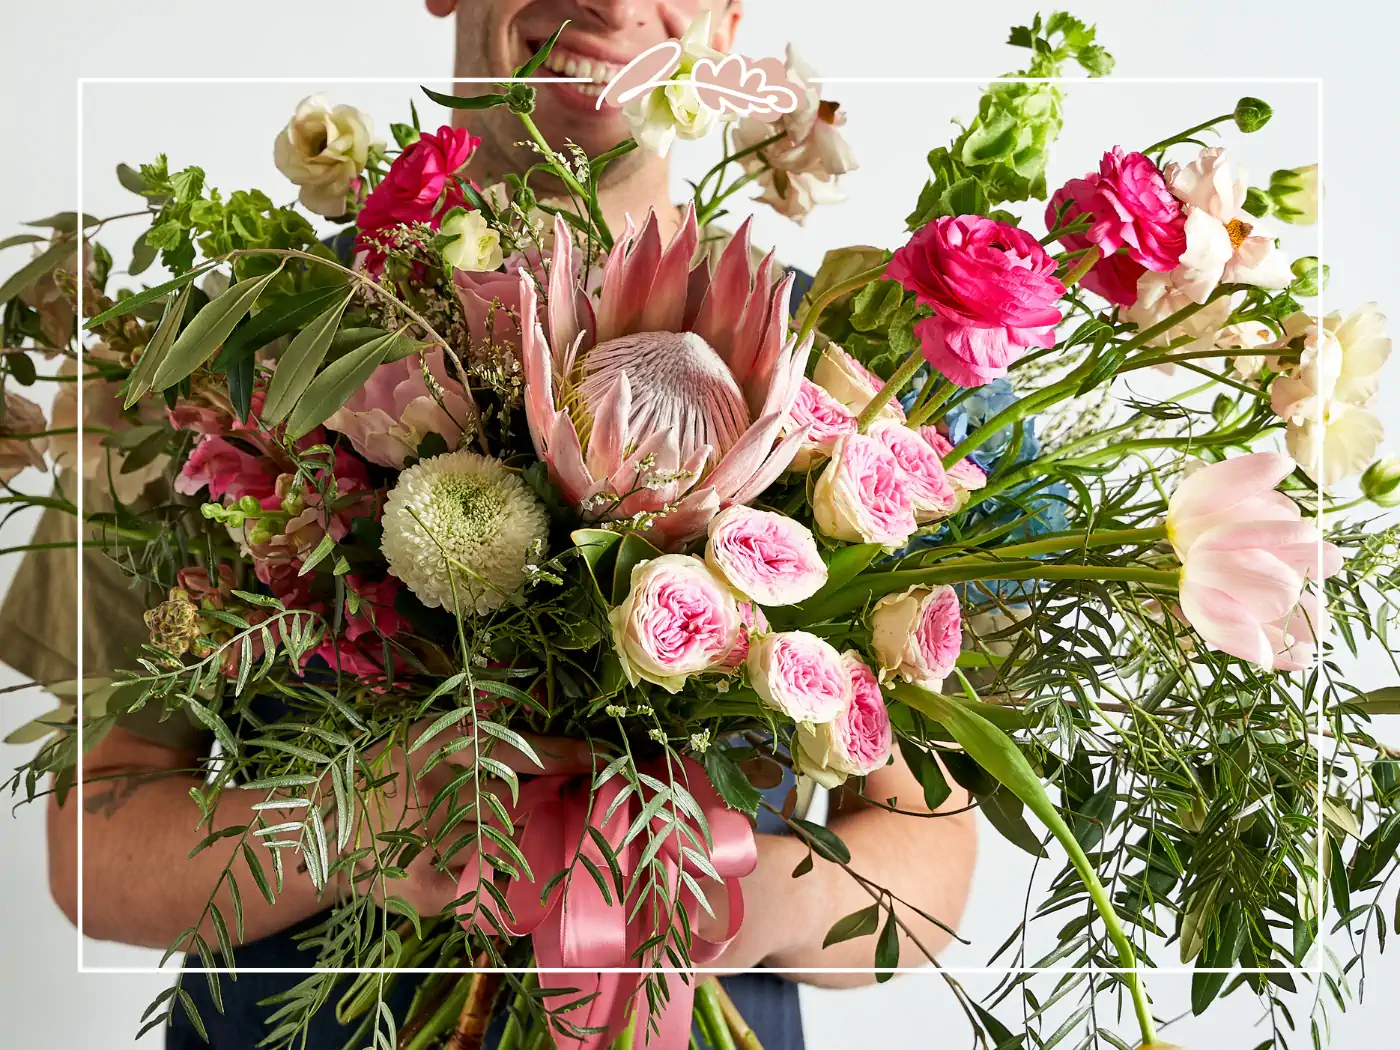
[(578, 929)]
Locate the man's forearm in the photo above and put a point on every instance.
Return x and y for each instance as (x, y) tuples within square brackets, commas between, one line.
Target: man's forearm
[(140, 886)]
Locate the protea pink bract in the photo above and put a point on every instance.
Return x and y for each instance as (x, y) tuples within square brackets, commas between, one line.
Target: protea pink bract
[(665, 401)]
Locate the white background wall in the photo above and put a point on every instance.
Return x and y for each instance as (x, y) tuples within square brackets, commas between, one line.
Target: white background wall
[(229, 130)]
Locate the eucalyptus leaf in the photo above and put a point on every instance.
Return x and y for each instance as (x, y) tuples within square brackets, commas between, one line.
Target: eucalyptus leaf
[(36, 268)]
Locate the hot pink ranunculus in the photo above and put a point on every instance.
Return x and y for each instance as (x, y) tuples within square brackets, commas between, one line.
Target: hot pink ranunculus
[(917, 635), (933, 494), (858, 741), (418, 186), (863, 494), (825, 418), (1247, 557), (800, 675), (964, 474), (1131, 209), (993, 291), (679, 618), (394, 411), (767, 557)]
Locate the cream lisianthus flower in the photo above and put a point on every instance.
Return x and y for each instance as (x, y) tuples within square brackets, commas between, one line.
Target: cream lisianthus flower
[(658, 117), (1158, 297), (476, 245), (323, 149)]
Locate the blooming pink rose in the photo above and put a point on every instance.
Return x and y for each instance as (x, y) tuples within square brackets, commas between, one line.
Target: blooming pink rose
[(800, 675), (917, 635), (394, 411), (993, 291), (864, 495), (767, 557), (1131, 209), (964, 475), (857, 742), (933, 494), (679, 618), (415, 184), (825, 418), (754, 622)]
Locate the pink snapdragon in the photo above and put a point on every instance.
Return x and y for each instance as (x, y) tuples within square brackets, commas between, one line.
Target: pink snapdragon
[(993, 291), (933, 494), (864, 495), (917, 635), (825, 418), (800, 675), (854, 744), (767, 557), (679, 619)]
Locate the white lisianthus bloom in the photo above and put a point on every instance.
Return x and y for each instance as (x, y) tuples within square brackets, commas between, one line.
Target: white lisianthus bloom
[(658, 117), (1158, 297), (459, 529), (1221, 245), (476, 246), (323, 149)]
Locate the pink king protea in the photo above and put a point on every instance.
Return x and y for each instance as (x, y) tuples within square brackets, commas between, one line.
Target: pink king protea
[(668, 402)]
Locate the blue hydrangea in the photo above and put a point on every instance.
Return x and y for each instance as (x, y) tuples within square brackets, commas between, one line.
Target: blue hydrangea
[(1046, 511), (981, 405)]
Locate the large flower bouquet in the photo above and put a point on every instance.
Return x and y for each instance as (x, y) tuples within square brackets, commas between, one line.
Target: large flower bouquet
[(599, 531)]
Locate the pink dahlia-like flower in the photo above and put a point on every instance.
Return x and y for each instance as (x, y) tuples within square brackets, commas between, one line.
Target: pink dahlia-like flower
[(418, 186), (964, 475), (1247, 557), (767, 557), (858, 741), (682, 381), (1130, 209), (394, 411), (825, 418), (993, 291), (679, 618), (933, 494), (800, 675), (864, 495), (917, 635)]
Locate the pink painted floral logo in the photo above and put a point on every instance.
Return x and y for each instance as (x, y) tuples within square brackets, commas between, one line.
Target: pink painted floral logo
[(758, 88)]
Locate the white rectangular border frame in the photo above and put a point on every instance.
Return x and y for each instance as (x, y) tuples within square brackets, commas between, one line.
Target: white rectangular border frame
[(1320, 945)]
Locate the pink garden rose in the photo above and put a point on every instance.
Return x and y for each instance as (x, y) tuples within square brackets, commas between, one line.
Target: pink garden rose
[(825, 418), (800, 675), (933, 494), (418, 186), (491, 298), (964, 475), (767, 557), (857, 742), (1131, 209), (864, 495), (993, 291), (752, 622), (394, 411), (678, 619), (850, 382), (917, 635)]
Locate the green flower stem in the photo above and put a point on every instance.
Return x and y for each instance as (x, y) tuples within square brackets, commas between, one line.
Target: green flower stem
[(1183, 135), (923, 412), (892, 387), (700, 187), (712, 1016), (513, 1035), (870, 586), (590, 200), (1066, 542), (860, 280), (444, 1017)]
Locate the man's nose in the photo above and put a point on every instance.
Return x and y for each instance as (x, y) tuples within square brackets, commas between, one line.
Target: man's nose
[(615, 14)]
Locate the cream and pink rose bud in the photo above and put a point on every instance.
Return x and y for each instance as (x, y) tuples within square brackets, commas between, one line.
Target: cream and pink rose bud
[(917, 635), (767, 557), (678, 619), (863, 495), (799, 674), (850, 382), (857, 742), (470, 243), (323, 149)]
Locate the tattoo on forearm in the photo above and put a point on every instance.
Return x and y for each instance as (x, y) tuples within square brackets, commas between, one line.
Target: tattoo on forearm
[(104, 801)]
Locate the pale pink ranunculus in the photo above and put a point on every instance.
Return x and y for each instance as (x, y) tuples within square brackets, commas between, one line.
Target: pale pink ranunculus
[(767, 557), (917, 635), (679, 618), (965, 475), (850, 382), (863, 494), (1247, 556), (993, 291), (857, 742), (825, 418), (933, 494), (800, 675), (394, 411)]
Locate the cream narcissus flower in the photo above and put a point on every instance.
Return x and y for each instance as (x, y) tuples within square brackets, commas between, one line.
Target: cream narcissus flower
[(323, 149), (459, 529), (474, 244), (658, 117), (1324, 398)]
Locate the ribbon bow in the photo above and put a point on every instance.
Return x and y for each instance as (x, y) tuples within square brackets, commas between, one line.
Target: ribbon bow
[(578, 928)]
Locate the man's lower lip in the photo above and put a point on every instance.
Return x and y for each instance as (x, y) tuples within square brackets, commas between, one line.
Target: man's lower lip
[(581, 96)]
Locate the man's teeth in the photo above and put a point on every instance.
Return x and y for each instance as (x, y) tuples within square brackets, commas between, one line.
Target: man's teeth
[(570, 64)]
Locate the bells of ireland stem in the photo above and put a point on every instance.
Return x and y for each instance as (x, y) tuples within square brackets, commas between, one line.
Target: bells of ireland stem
[(1381, 482), (1251, 114)]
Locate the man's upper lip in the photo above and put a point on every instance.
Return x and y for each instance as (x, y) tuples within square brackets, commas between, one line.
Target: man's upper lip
[(581, 44)]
